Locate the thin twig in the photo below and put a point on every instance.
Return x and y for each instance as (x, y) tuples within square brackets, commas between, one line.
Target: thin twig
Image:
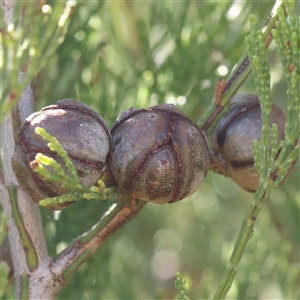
[(237, 77), (82, 248), (264, 156)]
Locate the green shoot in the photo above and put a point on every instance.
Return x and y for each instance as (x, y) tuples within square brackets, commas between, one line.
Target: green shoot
[(28, 48), (67, 178), (180, 285), (273, 160)]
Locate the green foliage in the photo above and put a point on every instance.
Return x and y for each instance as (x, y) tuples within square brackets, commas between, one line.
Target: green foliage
[(27, 50), (273, 160), (121, 54), (68, 179), (273, 169), (159, 60), (180, 286)]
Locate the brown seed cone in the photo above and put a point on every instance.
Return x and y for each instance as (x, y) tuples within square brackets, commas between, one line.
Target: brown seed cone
[(81, 132), (158, 154), (233, 136)]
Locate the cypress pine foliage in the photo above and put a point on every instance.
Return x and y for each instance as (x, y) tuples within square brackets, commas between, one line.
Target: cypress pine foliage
[(115, 55)]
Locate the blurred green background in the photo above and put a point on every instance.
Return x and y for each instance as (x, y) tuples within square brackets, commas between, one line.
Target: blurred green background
[(130, 53)]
